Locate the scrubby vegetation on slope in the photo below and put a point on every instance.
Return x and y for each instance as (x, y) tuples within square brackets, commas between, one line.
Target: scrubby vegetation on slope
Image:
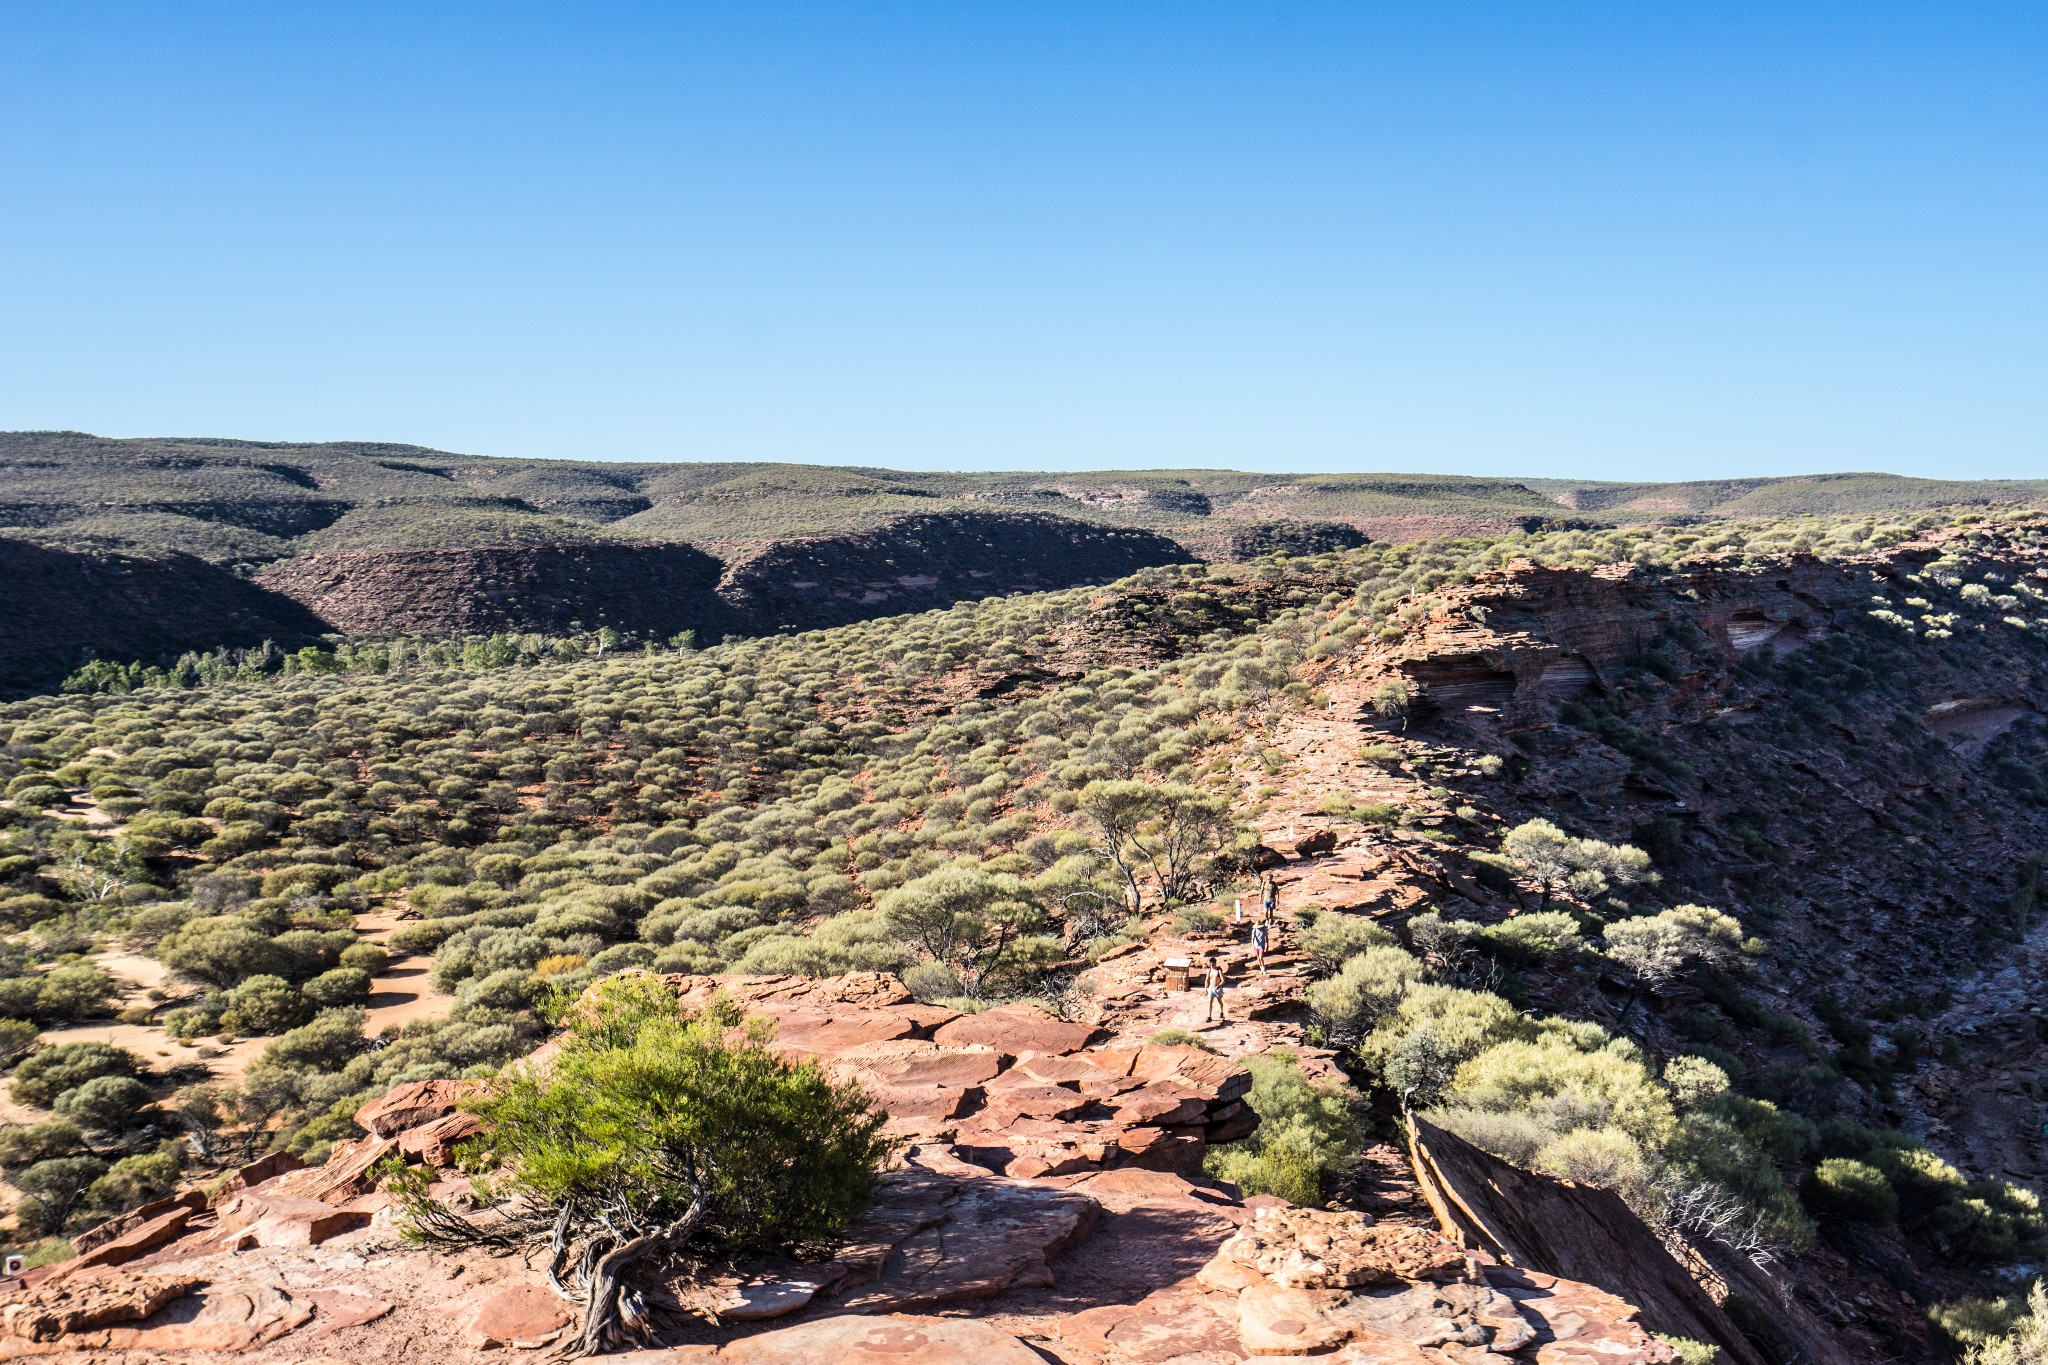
[(981, 798)]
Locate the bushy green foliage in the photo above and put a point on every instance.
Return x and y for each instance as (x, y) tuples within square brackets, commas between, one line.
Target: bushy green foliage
[(1841, 1187), (55, 1189), (654, 1128), (1306, 1136), (1334, 939), (47, 1075), (1554, 861), (28, 1143), (105, 1103), (137, 1179), (2010, 1331)]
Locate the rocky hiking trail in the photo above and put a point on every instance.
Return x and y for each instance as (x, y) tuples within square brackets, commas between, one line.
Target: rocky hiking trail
[(1049, 1206)]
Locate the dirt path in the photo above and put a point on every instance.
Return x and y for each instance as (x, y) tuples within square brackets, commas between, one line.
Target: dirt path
[(406, 993)]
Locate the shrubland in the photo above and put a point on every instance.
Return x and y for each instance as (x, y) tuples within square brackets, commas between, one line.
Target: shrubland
[(981, 798)]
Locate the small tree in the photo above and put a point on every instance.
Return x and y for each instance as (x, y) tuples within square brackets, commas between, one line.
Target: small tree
[(1391, 701), (1119, 810), (1169, 831), (1656, 949), (975, 921), (51, 1072), (651, 1130), (1555, 861)]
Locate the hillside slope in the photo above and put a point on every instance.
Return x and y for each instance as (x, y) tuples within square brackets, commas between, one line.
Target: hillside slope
[(1825, 736)]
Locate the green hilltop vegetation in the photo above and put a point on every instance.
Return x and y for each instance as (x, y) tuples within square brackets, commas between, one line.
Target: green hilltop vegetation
[(955, 796), (251, 502)]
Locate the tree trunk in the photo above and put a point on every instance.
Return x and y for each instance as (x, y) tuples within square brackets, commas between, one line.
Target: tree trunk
[(603, 1325)]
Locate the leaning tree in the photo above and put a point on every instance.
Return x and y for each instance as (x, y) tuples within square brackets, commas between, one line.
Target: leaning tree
[(654, 1129)]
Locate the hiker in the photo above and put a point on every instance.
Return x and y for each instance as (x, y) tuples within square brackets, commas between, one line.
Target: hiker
[(1214, 981), (1259, 940), (1272, 899)]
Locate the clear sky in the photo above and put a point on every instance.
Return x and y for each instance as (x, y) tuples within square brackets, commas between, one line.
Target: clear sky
[(1630, 240)]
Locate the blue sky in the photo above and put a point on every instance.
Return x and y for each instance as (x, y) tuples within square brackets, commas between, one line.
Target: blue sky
[(1621, 241)]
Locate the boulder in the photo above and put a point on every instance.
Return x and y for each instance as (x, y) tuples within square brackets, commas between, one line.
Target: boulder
[(345, 1176), (134, 1218), (1308, 1248), (260, 1218), (434, 1143), (954, 1240), (527, 1316), (1315, 844), (892, 1340), (408, 1106), (137, 1240)]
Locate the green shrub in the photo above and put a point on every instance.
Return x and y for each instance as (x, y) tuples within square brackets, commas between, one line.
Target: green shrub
[(1307, 1134), (263, 1005), (58, 1188), (680, 1128), (17, 1036), (26, 1144), (929, 981), (341, 986), (47, 1074), (1336, 938), (136, 1180), (1841, 1187), (104, 1103), (1369, 986), (365, 957)]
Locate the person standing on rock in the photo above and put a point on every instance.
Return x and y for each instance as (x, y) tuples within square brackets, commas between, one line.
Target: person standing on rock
[(1271, 902), (1260, 937), (1214, 982)]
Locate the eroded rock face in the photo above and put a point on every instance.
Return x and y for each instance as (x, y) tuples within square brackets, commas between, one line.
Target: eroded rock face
[(654, 589), (1311, 1249), (917, 563)]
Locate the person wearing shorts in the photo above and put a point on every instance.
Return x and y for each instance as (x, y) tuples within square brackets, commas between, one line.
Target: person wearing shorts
[(1259, 941), (1214, 982)]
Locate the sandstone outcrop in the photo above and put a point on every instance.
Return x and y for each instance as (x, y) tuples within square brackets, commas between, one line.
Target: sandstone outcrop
[(1049, 1192)]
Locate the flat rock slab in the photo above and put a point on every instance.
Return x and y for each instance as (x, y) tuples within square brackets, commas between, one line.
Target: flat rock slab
[(257, 1218), (1015, 1029), (337, 1309), (901, 1062), (956, 1240), (88, 1301), (527, 1316), (894, 1340), (222, 1317), (1167, 1325)]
